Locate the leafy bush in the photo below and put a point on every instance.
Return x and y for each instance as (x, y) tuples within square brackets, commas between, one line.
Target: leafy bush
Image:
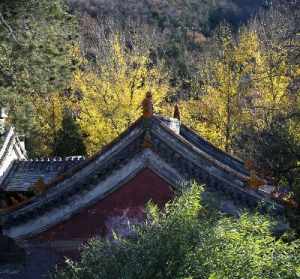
[(189, 240)]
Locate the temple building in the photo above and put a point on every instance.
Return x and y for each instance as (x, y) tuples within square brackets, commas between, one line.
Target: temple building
[(50, 207)]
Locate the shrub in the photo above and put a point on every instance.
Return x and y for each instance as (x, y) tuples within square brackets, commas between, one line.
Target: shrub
[(190, 240)]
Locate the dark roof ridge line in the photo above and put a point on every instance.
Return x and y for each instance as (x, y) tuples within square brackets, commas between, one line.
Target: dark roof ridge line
[(144, 160), (203, 153), (51, 186), (76, 169), (69, 173), (212, 145), (229, 185), (232, 183)]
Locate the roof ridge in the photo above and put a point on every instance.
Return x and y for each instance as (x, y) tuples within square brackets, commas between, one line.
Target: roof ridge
[(115, 153), (55, 159), (84, 163), (208, 156), (212, 145)]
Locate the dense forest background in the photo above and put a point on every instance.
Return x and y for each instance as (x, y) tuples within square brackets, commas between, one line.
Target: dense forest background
[(73, 73)]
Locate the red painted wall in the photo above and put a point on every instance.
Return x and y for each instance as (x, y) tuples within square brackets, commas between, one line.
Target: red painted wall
[(110, 213)]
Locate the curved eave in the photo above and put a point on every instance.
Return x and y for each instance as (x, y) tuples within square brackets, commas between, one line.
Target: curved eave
[(91, 178), (201, 143), (101, 189), (64, 182)]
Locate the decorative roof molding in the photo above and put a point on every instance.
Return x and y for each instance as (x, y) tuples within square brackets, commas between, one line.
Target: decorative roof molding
[(220, 155), (102, 188), (176, 112), (149, 142), (167, 135), (63, 184), (147, 106)]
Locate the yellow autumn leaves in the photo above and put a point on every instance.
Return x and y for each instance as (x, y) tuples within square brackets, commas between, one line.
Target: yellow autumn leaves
[(243, 83), (108, 96), (112, 95)]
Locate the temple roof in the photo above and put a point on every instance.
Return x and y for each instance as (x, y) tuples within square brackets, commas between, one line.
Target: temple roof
[(167, 147), (24, 174)]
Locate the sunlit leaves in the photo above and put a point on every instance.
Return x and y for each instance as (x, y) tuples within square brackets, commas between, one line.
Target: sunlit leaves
[(243, 83), (112, 92)]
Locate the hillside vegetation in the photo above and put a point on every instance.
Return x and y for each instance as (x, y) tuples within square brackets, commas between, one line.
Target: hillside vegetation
[(74, 73)]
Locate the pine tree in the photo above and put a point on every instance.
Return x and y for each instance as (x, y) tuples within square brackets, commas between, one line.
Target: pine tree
[(69, 141), (36, 38)]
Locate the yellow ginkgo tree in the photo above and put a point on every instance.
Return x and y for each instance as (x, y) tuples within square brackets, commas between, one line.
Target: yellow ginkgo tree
[(112, 91), (245, 83)]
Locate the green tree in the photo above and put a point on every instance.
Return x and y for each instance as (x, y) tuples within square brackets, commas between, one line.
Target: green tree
[(36, 39), (189, 240), (69, 141)]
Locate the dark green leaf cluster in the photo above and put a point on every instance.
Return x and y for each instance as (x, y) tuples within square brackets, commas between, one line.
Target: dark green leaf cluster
[(188, 240), (35, 41), (35, 38), (69, 140)]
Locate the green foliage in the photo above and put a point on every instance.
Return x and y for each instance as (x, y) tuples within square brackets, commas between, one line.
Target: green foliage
[(276, 148), (69, 141), (245, 248), (188, 240), (36, 38), (156, 251)]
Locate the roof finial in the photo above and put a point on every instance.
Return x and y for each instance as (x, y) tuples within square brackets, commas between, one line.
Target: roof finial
[(249, 165), (176, 112), (147, 143), (254, 180), (147, 105)]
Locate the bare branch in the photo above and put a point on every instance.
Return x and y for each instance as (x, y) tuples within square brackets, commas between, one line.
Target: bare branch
[(8, 27)]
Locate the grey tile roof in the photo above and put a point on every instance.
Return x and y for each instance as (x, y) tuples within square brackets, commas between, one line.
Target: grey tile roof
[(23, 174), (190, 156), (218, 154)]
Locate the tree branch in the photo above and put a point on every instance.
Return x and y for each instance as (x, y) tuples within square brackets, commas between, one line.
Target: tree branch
[(8, 28)]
